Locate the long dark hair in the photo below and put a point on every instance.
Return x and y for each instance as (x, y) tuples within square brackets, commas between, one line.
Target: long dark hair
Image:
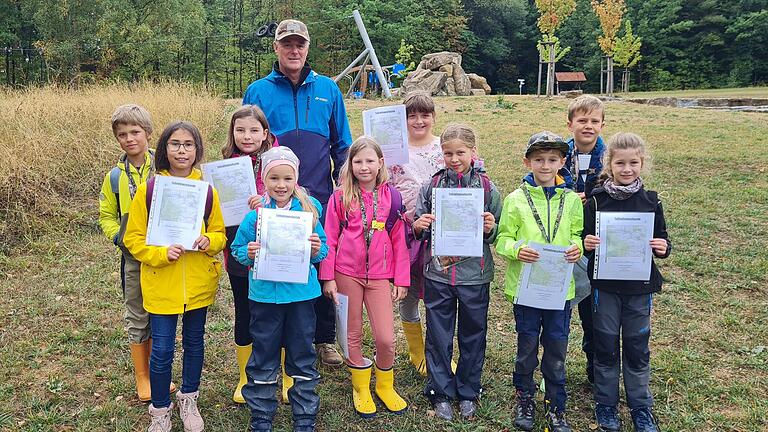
[(161, 154), (247, 111)]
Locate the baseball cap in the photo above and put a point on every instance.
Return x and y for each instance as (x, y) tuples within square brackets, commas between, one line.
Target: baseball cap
[(546, 140), (291, 27)]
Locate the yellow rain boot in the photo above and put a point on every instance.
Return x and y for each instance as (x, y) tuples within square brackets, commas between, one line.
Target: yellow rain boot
[(385, 390), (415, 340), (361, 390), (287, 380), (140, 358), (172, 386), (243, 354)]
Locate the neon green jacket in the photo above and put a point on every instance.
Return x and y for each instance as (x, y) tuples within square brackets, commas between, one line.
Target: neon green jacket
[(518, 227), (114, 204)]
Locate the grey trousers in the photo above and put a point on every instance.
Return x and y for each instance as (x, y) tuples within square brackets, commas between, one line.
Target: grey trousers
[(409, 306), (136, 318), (622, 331)]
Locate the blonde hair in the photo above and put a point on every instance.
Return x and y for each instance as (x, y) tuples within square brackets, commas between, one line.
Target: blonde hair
[(131, 114), (350, 191), (624, 141), (244, 112), (585, 104), (461, 132)]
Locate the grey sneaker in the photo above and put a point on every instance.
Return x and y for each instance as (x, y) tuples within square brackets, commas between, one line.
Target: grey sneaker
[(160, 418), (525, 411), (443, 410), (328, 354), (467, 409), (188, 411)]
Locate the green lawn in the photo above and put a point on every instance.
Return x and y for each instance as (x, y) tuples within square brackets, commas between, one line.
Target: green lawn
[(64, 363), (741, 92)]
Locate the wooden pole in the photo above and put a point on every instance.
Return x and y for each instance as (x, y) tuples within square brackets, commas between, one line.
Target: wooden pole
[(205, 63)]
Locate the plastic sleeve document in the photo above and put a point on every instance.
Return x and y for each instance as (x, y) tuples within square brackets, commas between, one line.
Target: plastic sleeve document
[(458, 226), (624, 252), (285, 248), (176, 216), (235, 182), (342, 323), (545, 283), (388, 126)]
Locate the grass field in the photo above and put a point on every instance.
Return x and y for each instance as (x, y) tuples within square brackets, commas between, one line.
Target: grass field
[(741, 92), (64, 363)]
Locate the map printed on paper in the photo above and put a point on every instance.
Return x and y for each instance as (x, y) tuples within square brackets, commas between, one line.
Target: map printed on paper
[(549, 273), (625, 241), (178, 207), (386, 132), (388, 126), (290, 241), (458, 216), (231, 185)]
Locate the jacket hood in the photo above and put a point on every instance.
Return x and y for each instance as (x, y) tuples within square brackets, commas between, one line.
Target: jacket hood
[(599, 145), (196, 174)]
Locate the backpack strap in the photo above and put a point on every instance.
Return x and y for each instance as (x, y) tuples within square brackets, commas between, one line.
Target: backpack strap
[(486, 188), (396, 209), (208, 200), (337, 205), (114, 184)]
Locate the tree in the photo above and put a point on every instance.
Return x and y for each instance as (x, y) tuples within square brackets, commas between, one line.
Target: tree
[(626, 53), (552, 14), (609, 13)]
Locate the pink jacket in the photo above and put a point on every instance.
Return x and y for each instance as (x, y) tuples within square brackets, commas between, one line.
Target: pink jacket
[(387, 256)]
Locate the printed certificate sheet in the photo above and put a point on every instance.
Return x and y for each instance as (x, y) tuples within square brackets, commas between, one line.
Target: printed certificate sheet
[(458, 226), (624, 252), (544, 284), (388, 126), (176, 216), (235, 182), (342, 323), (285, 249)]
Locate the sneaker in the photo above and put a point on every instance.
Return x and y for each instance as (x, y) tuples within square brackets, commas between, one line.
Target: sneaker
[(306, 426), (161, 418), (525, 411), (328, 354), (261, 425), (188, 411), (607, 418), (467, 409), (443, 410), (644, 420), (557, 422)]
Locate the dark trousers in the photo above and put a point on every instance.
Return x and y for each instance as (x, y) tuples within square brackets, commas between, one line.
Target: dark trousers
[(163, 347), (552, 328), (628, 317), (242, 309), (325, 324), (587, 342), (273, 326), (442, 303)]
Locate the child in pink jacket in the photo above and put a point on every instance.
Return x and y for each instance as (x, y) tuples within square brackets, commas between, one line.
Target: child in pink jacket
[(367, 251)]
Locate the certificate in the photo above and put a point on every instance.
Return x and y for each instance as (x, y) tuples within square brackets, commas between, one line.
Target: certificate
[(285, 248), (176, 215), (389, 127), (545, 283), (235, 182), (624, 252), (342, 323), (458, 226)]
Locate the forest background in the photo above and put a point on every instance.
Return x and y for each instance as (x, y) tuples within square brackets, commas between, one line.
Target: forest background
[(685, 44)]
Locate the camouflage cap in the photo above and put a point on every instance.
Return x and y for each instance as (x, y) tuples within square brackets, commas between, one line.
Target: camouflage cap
[(291, 27), (546, 140)]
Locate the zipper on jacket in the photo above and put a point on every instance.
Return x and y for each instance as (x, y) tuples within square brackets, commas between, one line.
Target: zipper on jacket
[(306, 114), (296, 112)]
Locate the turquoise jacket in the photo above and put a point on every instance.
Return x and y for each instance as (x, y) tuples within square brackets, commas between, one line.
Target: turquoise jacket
[(278, 292)]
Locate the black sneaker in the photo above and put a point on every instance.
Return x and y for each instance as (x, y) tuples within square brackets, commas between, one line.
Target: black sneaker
[(526, 409), (607, 418), (557, 422), (644, 420)]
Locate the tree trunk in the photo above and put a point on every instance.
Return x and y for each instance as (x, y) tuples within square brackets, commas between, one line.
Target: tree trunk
[(538, 87), (551, 71), (609, 81)]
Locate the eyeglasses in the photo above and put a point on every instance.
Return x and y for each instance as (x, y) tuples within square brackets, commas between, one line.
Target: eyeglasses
[(175, 145)]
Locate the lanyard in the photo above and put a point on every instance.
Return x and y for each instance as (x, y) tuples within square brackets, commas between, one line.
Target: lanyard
[(131, 182), (538, 218), (368, 231)]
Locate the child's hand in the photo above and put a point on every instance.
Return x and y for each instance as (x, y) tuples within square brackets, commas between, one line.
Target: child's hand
[(398, 293), (314, 239), (659, 246), (423, 222), (572, 254), (254, 202), (330, 290), (253, 247), (591, 242), (528, 255), (489, 221), (202, 243), (174, 252), (583, 197)]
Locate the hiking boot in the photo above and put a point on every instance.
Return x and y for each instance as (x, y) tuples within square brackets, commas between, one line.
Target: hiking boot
[(188, 411), (467, 409), (644, 420), (304, 425), (328, 354), (260, 425), (443, 410), (525, 411), (607, 418), (160, 418), (557, 422)]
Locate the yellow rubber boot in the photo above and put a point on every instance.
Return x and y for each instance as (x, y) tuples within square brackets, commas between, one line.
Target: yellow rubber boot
[(287, 380), (385, 390), (415, 340), (243, 354), (361, 390), (140, 359)]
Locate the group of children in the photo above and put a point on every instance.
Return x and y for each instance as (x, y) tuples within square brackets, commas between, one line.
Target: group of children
[(374, 248)]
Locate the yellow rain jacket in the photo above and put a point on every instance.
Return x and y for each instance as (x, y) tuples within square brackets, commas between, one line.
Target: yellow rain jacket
[(186, 284)]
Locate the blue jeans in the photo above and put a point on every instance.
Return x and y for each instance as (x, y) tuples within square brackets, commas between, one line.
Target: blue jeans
[(163, 347)]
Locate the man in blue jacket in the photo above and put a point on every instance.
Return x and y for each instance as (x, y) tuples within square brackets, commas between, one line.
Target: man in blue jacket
[(306, 112)]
